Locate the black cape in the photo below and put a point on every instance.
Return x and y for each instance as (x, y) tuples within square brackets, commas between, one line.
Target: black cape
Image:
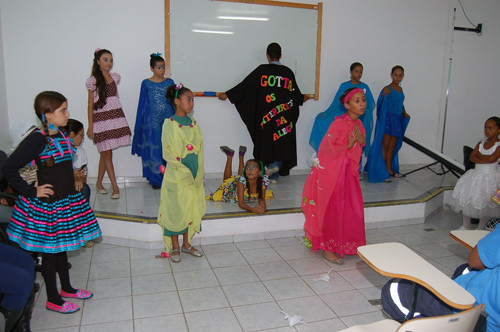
[(268, 101)]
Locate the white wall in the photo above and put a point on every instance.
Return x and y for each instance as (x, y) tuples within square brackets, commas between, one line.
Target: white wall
[(49, 45), (4, 115), (475, 76)]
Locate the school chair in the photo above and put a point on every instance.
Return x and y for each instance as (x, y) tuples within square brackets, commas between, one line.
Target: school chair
[(464, 321), (396, 260)]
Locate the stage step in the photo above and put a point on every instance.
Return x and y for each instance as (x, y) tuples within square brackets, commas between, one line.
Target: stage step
[(235, 227)]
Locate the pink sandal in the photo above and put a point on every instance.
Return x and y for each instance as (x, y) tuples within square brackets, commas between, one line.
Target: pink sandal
[(66, 308), (81, 294)]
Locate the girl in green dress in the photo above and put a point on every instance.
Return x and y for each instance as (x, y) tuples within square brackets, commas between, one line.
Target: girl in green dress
[(182, 203)]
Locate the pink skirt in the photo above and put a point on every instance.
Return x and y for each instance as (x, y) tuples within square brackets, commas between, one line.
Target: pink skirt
[(344, 225)]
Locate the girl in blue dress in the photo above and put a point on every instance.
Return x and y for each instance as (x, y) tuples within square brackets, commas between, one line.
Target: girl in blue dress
[(152, 111), (324, 120), (392, 121)]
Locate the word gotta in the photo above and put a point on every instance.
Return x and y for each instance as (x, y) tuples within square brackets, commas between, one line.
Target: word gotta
[(272, 81)]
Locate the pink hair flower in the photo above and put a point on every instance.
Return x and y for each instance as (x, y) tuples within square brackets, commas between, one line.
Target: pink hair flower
[(162, 169), (178, 86), (97, 50)]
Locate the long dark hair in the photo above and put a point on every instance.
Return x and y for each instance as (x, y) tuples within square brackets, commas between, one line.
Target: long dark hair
[(100, 82), (47, 102), (259, 178)]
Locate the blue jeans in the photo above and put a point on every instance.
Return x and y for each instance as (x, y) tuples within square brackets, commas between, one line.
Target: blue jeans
[(274, 164)]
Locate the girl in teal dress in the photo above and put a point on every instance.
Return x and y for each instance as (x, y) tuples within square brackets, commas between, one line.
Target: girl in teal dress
[(324, 119), (392, 121)]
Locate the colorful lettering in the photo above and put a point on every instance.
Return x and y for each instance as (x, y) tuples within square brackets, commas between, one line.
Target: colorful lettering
[(286, 82), (271, 80), (283, 131), (278, 78), (270, 98), (275, 111), (277, 81), (283, 120), (263, 80)]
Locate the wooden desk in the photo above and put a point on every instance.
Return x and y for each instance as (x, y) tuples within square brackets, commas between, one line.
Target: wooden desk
[(468, 238), (398, 261)]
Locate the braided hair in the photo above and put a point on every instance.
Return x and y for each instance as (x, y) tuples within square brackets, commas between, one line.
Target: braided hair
[(259, 178), (99, 78), (47, 102)]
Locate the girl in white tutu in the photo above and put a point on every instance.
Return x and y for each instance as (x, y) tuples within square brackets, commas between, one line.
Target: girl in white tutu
[(473, 191)]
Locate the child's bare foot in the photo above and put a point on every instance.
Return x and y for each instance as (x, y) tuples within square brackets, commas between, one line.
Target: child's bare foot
[(333, 257)]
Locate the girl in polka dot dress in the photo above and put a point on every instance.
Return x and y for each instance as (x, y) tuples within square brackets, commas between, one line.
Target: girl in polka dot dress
[(108, 127)]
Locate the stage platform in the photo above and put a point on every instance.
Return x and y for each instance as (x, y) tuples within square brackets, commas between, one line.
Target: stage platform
[(131, 220)]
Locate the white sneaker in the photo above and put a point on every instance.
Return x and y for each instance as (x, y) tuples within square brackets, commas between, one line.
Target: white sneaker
[(271, 171)]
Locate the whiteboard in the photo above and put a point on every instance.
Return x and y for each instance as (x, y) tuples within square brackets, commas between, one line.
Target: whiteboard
[(213, 45)]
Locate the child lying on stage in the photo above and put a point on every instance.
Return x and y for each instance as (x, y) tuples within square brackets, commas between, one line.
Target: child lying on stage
[(249, 185)]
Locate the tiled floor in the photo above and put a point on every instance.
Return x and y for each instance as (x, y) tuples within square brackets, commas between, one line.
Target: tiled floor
[(238, 286), (242, 286)]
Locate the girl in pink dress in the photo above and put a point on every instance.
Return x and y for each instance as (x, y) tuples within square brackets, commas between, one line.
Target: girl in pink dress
[(108, 127), (332, 201)]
